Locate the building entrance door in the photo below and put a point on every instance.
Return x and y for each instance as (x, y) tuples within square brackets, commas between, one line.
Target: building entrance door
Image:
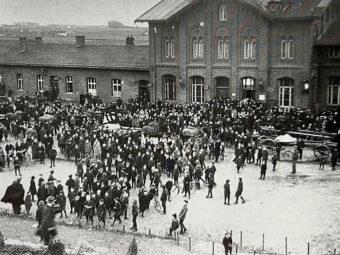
[(144, 91), (54, 81), (248, 87)]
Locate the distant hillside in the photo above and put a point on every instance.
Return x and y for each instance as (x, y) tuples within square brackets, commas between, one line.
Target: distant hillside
[(114, 24)]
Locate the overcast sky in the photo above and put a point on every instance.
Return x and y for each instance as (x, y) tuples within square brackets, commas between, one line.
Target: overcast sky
[(82, 12)]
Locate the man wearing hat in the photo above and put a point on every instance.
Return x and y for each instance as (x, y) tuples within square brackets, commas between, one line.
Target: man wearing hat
[(227, 243), (134, 215), (239, 191), (227, 192), (174, 224), (47, 228), (182, 216)]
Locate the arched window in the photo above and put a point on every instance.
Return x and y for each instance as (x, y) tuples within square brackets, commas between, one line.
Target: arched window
[(333, 96), (249, 48), (169, 48), (286, 92), (222, 87), (169, 87), (197, 89), (222, 14), (197, 42), (223, 48)]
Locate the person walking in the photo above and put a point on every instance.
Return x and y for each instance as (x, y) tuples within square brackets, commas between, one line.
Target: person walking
[(227, 192), (182, 216), (239, 192), (164, 198), (135, 211), (174, 224), (210, 186), (52, 154), (47, 228), (274, 161)]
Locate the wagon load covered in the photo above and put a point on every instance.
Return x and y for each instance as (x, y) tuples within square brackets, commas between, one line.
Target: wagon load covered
[(46, 117), (286, 139), (190, 131), (152, 129)]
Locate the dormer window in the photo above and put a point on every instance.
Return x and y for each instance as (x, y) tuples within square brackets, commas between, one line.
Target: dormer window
[(223, 12)]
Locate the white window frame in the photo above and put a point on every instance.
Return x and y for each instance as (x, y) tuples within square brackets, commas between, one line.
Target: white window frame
[(1, 77), (168, 82), (172, 48), (20, 82), (283, 49), (282, 94), (253, 49), (334, 52), (92, 86), (222, 49), (69, 84), (287, 49), (290, 54), (197, 87), (246, 49), (116, 87), (330, 91), (167, 48), (40, 82), (223, 12), (248, 83), (200, 48), (195, 48)]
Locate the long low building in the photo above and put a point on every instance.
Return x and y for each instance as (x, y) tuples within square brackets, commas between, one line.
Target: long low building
[(70, 69)]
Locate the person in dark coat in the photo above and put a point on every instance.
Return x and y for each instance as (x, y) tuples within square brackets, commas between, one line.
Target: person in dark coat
[(227, 192), (33, 188), (134, 215), (42, 193), (174, 224), (15, 195), (239, 191), (47, 228), (39, 212), (227, 243), (210, 186), (263, 171), (52, 154), (164, 198), (144, 200), (101, 214)]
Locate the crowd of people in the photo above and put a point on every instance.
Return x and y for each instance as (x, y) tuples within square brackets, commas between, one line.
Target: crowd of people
[(110, 163)]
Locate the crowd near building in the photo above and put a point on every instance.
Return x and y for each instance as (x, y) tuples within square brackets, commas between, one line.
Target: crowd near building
[(283, 52)]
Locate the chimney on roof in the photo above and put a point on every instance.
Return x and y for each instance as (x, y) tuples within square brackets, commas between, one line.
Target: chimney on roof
[(23, 43), (38, 39), (80, 40), (130, 41)]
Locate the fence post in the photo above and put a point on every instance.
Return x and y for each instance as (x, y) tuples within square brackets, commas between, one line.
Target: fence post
[(236, 248), (308, 248), (286, 246), (213, 248), (177, 239), (334, 251), (189, 243), (254, 252), (123, 229), (262, 242), (149, 232), (241, 238)]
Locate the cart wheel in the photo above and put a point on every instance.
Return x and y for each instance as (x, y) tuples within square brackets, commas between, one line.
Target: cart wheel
[(322, 151), (287, 155)]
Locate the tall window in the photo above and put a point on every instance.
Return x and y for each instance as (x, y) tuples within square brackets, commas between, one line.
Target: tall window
[(69, 84), (92, 86), (169, 48), (0, 77), (287, 49), (286, 92), (249, 49), (40, 83), (197, 89), (334, 52), (197, 48), (248, 83), (223, 48), (169, 86), (222, 87), (116, 87), (334, 90), (223, 12), (20, 82)]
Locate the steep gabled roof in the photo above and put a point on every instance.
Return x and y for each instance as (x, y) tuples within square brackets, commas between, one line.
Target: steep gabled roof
[(67, 55), (164, 10)]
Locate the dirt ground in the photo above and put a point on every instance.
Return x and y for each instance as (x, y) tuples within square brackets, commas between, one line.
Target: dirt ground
[(304, 208)]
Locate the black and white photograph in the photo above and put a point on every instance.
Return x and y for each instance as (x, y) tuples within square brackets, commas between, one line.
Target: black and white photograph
[(173, 127)]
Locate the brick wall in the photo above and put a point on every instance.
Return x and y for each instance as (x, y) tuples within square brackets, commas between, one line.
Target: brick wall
[(103, 77)]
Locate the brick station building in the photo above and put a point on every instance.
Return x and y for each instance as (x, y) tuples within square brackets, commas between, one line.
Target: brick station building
[(70, 69), (260, 49)]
